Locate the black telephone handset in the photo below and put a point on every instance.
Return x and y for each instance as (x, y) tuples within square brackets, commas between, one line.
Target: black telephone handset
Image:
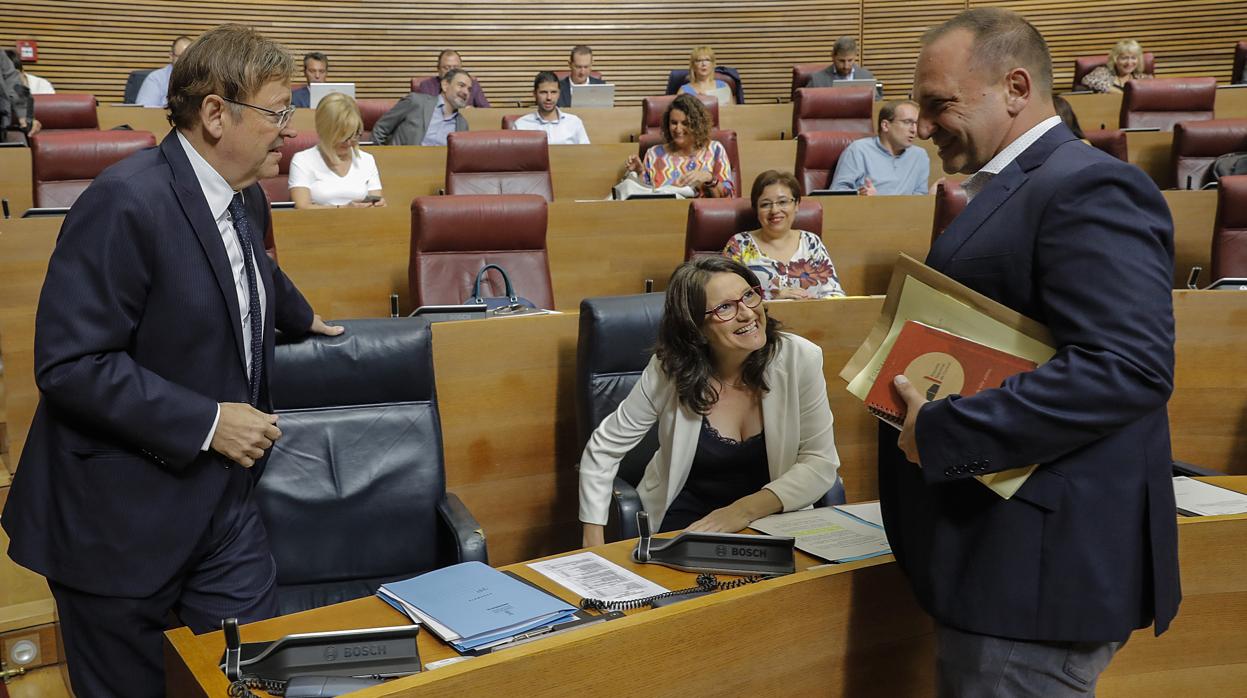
[(756, 557)]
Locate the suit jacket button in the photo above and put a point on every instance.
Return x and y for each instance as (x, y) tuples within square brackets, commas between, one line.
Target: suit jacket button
[(948, 472)]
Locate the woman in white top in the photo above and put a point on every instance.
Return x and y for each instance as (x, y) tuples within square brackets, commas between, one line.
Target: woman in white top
[(790, 263), (744, 427), (336, 173)]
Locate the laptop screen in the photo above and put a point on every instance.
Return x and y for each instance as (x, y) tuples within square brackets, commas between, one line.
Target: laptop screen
[(317, 90), (593, 95)]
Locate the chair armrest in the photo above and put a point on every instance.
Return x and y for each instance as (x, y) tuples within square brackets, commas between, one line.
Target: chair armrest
[(461, 530), (835, 495), (1192, 470), (625, 503)]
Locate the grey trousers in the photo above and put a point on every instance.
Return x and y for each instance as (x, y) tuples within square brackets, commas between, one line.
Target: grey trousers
[(969, 665)]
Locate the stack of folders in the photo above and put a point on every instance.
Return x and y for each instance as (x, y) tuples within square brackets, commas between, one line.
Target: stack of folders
[(473, 606)]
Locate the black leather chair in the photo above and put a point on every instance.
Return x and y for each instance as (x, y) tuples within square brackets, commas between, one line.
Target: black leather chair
[(133, 82), (354, 493), (616, 341)]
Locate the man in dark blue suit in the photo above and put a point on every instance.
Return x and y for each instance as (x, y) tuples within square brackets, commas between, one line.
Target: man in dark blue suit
[(154, 330), (1033, 595)]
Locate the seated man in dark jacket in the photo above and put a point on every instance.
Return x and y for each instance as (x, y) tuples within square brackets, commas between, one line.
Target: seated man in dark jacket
[(580, 66), (843, 66), (420, 119)]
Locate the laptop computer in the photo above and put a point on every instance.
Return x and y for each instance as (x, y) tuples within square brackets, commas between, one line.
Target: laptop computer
[(593, 95), (317, 90)]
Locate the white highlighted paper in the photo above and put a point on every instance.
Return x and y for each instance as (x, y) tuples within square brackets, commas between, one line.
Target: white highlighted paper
[(827, 533), (592, 576), (866, 511), (1202, 499)]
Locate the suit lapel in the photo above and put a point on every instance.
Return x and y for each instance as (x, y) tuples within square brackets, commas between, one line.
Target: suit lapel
[(995, 194), (190, 195)]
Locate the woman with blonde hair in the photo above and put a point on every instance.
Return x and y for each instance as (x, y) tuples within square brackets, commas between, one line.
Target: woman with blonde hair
[(701, 79), (1125, 63), (335, 173)]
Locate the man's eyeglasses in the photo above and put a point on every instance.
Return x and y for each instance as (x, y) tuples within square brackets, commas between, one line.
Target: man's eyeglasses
[(905, 122), (778, 203), (726, 312), (282, 117)]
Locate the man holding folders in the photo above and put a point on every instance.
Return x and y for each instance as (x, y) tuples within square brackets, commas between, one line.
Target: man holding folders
[(153, 339), (1034, 594)]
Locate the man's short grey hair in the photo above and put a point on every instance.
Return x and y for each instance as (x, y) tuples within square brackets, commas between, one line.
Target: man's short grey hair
[(454, 73), (1003, 40), (844, 46)]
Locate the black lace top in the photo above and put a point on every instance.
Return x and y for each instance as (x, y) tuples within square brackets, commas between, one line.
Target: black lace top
[(723, 471)]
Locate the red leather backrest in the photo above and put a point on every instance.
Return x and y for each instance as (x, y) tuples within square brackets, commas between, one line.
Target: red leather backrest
[(372, 109), (712, 222), (1163, 102), (653, 107), (498, 162), (726, 137), (950, 200), (1086, 64), (66, 111), (802, 72), (832, 109), (278, 187), (508, 121), (1229, 235), (1111, 141), (65, 162), (452, 237), (818, 152), (1197, 143)]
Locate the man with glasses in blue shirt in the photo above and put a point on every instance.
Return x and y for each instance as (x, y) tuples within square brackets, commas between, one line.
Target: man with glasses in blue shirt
[(888, 163), (154, 334)]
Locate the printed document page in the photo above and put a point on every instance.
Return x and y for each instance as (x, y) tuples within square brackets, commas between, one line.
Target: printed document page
[(592, 576), (830, 534), (1203, 499)]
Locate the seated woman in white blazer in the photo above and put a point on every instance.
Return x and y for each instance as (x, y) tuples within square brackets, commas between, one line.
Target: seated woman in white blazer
[(744, 428)]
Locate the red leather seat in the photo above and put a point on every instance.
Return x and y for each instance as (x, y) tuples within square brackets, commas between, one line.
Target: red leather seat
[(508, 121), (802, 72), (1229, 235), (498, 162), (65, 162), (727, 138), (278, 187), (370, 110), (950, 200), (452, 237), (712, 222), (1163, 102), (652, 109), (818, 152), (1197, 143), (63, 111), (832, 109), (1086, 64), (1111, 141)]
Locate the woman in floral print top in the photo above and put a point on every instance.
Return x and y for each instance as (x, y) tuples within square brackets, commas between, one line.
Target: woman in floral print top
[(687, 156), (789, 263)]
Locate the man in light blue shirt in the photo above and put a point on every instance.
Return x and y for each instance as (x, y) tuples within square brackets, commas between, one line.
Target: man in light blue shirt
[(154, 91), (888, 163)]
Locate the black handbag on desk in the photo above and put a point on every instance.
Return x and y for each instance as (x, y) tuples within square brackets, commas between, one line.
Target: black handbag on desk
[(499, 305)]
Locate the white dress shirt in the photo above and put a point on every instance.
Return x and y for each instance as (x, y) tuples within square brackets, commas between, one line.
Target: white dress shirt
[(975, 182), (565, 129), (218, 194)]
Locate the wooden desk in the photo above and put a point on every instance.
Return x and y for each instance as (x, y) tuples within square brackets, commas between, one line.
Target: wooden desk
[(851, 630), (16, 179), (1104, 110)]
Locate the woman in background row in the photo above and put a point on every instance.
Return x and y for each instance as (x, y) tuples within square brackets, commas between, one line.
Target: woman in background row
[(789, 263), (335, 173), (701, 79), (744, 427), (1125, 63), (687, 156)]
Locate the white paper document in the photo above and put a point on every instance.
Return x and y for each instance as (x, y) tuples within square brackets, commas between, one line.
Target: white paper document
[(592, 576), (1202, 499), (830, 534), (866, 511)]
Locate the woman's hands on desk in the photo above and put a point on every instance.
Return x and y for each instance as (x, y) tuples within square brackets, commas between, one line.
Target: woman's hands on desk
[(739, 514), (594, 534)]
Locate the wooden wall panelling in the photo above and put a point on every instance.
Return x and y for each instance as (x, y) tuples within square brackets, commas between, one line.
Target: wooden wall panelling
[(890, 38)]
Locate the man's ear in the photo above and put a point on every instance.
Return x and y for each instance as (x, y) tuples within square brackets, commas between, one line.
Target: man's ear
[(1018, 90), (212, 114)]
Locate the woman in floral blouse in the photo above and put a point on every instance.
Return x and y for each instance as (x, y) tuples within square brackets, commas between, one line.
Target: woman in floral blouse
[(1125, 63), (687, 156), (789, 263)]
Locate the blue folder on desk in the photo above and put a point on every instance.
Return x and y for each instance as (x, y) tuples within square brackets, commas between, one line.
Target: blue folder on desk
[(472, 605)]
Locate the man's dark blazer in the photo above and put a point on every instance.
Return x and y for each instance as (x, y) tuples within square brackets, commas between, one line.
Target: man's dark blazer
[(565, 90), (301, 97), (407, 122), (1086, 550), (137, 338)]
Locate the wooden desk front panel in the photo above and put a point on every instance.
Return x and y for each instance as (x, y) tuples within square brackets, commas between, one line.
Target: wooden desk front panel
[(16, 183)]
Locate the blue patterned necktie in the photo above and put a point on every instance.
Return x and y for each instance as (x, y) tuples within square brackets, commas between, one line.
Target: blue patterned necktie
[(243, 228)]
